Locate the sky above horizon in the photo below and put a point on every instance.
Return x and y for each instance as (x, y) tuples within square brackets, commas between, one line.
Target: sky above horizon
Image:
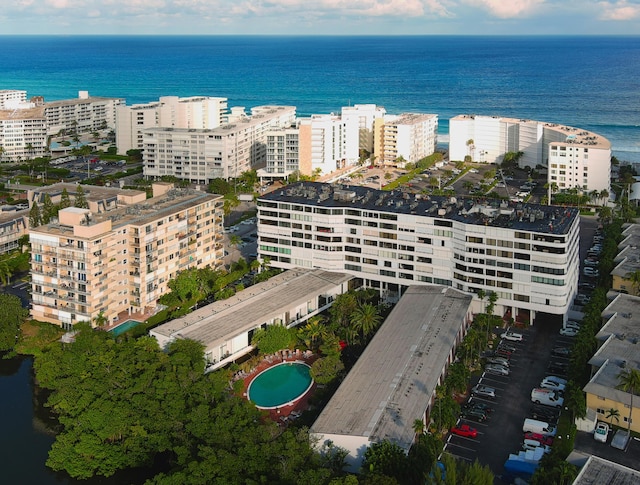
[(321, 17)]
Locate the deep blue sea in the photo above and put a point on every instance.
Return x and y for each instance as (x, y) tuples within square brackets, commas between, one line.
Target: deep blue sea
[(588, 82)]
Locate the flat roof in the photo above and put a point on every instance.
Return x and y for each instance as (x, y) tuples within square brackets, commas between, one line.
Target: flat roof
[(486, 212), (252, 306), (22, 113), (597, 471), (391, 384)]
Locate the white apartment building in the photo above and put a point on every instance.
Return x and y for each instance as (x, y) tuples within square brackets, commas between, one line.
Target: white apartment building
[(328, 143), (283, 154), (23, 134), (117, 257), (14, 224), (365, 116), (526, 254), (225, 152), (409, 137), (195, 112), (86, 114), (575, 158), (12, 98)]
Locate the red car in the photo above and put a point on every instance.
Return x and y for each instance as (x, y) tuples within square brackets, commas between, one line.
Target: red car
[(465, 430), (543, 440)]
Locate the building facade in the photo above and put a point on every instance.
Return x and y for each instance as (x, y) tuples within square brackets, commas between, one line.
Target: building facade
[(526, 254), (364, 116), (224, 152), (195, 112), (14, 224), (408, 137), (116, 257), (627, 262), (12, 98), (575, 158), (283, 154), (85, 114), (23, 134)]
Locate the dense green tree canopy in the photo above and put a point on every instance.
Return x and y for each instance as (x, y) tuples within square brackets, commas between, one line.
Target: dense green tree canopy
[(13, 314)]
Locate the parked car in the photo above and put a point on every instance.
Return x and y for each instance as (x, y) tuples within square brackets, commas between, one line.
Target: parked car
[(572, 324), (601, 433), (513, 336), (540, 438), (464, 430), (553, 383), (544, 413), (484, 391), (590, 272), (582, 299), (474, 415), (561, 351), (587, 286), (557, 368), (506, 346), (473, 170), (620, 440), (569, 332), (503, 361), (547, 397), (530, 445), (497, 369), (478, 405)]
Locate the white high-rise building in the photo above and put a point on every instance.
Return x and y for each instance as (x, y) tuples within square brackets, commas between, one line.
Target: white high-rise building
[(365, 115), (528, 255), (408, 137), (196, 112), (85, 114), (23, 134), (327, 143), (13, 99), (575, 158), (200, 155), (283, 154)]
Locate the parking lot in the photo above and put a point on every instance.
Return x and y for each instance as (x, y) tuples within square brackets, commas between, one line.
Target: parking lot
[(501, 433)]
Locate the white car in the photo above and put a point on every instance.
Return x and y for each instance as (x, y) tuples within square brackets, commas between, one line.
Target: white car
[(550, 383), (601, 433), (569, 332), (514, 337), (588, 271), (473, 170)]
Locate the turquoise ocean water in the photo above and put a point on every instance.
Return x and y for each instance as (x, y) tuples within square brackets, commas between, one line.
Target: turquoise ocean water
[(588, 82)]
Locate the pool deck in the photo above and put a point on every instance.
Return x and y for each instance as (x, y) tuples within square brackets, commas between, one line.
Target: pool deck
[(126, 316), (286, 412)]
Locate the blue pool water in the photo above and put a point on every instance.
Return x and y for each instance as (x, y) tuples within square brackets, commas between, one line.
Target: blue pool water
[(120, 329), (280, 385)]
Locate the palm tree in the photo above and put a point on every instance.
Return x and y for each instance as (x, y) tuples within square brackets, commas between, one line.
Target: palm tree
[(418, 427), (100, 320), (635, 281), (604, 195), (629, 382), (312, 331), (552, 188), (613, 413), (5, 273), (365, 319)]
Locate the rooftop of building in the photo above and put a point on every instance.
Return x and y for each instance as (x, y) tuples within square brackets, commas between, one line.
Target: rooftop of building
[(79, 100), (620, 336), (631, 237), (574, 136), (486, 212), (252, 306), (597, 471), (91, 192), (22, 113), (391, 384), (140, 213), (409, 118), (9, 213)]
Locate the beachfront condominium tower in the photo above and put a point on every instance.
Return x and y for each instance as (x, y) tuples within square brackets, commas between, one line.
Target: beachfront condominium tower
[(84, 114), (365, 116), (200, 155), (526, 254), (195, 112), (23, 134), (12, 98), (115, 257), (404, 138), (575, 158)]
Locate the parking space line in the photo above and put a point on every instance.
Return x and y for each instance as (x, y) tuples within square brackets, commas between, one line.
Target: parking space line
[(457, 456)]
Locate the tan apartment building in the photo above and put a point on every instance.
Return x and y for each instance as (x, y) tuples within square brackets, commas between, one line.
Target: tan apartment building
[(116, 257), (617, 350), (627, 262), (408, 136)]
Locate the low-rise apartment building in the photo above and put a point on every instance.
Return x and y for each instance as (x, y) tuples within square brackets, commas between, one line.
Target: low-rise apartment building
[(526, 254), (575, 158), (617, 351), (85, 114), (23, 134), (226, 327), (624, 275), (117, 256), (14, 224)]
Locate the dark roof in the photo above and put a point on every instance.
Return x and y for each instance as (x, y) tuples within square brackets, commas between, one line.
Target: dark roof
[(497, 213)]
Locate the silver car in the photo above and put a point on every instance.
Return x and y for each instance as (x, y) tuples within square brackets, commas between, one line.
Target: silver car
[(497, 369)]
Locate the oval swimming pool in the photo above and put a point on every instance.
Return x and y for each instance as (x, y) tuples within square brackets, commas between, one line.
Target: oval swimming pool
[(281, 384)]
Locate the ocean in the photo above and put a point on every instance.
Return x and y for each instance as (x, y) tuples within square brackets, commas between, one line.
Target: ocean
[(588, 82)]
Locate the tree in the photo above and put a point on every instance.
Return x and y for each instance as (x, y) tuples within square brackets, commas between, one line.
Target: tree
[(5, 273), (385, 458), (80, 198), (611, 414), (418, 426), (273, 338), (312, 331), (326, 369), (634, 277), (35, 218), (48, 210), (629, 381), (365, 319), (100, 320), (13, 314), (65, 200)]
